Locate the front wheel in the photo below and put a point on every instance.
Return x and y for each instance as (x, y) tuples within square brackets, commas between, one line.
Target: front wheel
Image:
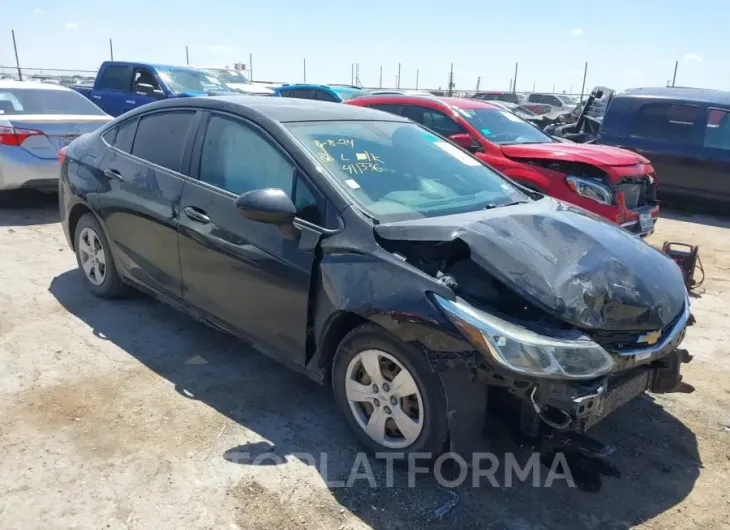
[(391, 399)]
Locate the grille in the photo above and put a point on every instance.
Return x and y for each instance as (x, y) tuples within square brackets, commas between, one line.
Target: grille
[(616, 340), (638, 192), (621, 389)]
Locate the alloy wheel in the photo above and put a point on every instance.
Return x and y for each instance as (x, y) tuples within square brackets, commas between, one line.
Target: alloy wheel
[(384, 399), (92, 256)]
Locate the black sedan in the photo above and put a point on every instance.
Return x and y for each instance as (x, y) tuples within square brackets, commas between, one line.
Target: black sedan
[(367, 252)]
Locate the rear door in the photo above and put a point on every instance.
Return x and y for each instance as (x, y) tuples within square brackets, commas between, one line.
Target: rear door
[(247, 276), (713, 179), (112, 87), (144, 81), (142, 183)]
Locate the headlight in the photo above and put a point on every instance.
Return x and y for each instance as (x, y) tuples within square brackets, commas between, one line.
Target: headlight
[(590, 189), (525, 351)]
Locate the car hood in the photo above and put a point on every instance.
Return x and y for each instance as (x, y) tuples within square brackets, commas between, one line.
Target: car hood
[(247, 88), (565, 260), (597, 155)]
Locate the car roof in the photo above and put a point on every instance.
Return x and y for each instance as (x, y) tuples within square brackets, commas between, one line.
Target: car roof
[(699, 95), (157, 66), (462, 103), (32, 85), (284, 110)]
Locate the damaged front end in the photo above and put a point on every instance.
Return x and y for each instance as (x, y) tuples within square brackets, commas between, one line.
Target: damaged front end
[(569, 317)]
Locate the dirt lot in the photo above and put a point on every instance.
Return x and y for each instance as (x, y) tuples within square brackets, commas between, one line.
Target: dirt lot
[(127, 414)]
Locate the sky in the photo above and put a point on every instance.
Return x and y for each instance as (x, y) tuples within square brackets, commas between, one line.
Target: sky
[(627, 43)]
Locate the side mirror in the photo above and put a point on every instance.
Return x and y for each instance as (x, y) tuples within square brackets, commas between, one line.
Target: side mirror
[(148, 90), (462, 140), (271, 206)]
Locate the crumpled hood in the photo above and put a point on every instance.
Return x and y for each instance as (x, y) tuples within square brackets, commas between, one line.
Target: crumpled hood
[(576, 266), (597, 155)]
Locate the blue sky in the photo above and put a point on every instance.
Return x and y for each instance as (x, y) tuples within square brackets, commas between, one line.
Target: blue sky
[(626, 43)]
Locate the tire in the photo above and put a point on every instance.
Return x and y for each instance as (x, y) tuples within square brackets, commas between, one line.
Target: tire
[(433, 433), (103, 279)]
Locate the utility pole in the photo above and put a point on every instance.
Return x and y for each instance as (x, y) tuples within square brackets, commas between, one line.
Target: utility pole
[(514, 82), (416, 79), (583, 88), (553, 88), (674, 77), (250, 66), (352, 73), (479, 80), (451, 80), (533, 86), (305, 69), (17, 61), (111, 49), (398, 85), (510, 85), (357, 75), (380, 84), (187, 56)]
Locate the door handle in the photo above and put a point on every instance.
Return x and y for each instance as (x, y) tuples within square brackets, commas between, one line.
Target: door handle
[(131, 101), (96, 97), (113, 174), (196, 215)]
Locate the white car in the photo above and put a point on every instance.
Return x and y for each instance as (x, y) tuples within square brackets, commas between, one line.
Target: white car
[(560, 103), (237, 81)]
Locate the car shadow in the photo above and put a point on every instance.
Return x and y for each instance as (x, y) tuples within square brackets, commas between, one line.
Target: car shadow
[(28, 207), (656, 453), (717, 218)]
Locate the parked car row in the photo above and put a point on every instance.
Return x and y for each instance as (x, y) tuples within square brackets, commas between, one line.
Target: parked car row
[(359, 245)]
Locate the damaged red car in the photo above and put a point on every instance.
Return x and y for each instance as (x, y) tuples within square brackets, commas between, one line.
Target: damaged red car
[(614, 183), (374, 256)]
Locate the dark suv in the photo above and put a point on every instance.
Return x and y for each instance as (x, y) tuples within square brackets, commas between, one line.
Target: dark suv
[(685, 132)]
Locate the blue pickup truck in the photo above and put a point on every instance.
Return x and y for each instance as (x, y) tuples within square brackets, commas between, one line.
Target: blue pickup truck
[(122, 86)]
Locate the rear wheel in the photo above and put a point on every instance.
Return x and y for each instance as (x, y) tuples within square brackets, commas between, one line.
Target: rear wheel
[(391, 399), (94, 258)]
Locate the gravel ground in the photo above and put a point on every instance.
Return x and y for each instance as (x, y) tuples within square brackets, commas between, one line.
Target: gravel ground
[(127, 414)]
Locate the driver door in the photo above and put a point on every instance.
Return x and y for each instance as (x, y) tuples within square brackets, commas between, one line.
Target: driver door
[(248, 277), (141, 96)]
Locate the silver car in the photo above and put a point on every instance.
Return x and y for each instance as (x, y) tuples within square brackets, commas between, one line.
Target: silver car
[(36, 121)]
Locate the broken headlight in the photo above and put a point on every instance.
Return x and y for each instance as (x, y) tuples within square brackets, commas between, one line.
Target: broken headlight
[(590, 189), (525, 351)]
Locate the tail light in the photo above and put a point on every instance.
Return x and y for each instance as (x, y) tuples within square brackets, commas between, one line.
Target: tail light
[(61, 155), (16, 137)]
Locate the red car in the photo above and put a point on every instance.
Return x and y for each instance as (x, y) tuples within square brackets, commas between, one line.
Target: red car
[(617, 184)]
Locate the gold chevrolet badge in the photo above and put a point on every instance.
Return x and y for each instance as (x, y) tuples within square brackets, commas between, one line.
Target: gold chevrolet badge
[(650, 338)]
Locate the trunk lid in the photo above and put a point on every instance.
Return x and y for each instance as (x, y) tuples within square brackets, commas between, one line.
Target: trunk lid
[(56, 131), (571, 263)]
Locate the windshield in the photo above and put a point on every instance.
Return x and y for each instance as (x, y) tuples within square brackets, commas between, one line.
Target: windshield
[(229, 76), (503, 127), (567, 100), (396, 170), (180, 81), (519, 109), (350, 94), (39, 101)]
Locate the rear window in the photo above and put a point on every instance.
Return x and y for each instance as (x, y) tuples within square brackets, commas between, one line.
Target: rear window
[(39, 101), (665, 122)]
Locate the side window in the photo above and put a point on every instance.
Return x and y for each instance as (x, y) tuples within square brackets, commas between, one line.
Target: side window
[(238, 159), (309, 206), (125, 136), (717, 132), (534, 98), (664, 122), (554, 101), (388, 107), (441, 123), (161, 138), (285, 93), (326, 96), (116, 77), (110, 135), (142, 76), (303, 93)]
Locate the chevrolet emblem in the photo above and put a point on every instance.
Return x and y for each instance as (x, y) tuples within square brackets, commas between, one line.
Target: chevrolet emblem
[(649, 338)]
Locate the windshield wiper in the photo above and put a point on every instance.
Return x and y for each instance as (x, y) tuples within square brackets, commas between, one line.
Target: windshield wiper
[(491, 205)]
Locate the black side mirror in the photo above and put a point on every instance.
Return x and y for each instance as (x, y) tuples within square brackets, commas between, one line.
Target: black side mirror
[(271, 206), (148, 90)]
